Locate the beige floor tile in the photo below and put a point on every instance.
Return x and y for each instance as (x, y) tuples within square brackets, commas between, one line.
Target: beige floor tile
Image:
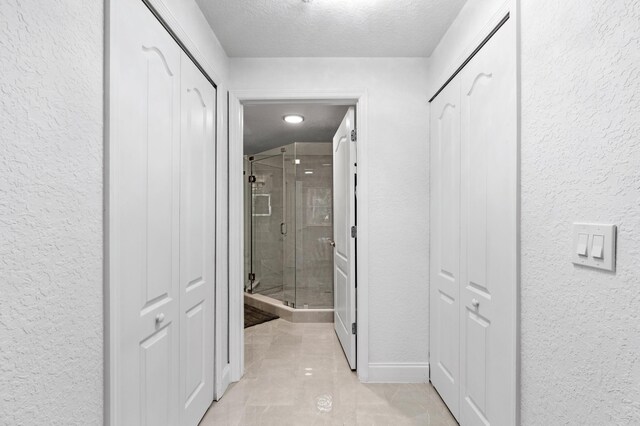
[(296, 374)]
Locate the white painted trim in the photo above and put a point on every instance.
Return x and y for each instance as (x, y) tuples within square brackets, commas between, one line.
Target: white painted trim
[(221, 369), (236, 223), (236, 240), (224, 379), (515, 14), (110, 292), (382, 372)]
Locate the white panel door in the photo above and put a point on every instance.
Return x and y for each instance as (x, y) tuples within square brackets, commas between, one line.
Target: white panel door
[(344, 266), (489, 239), (145, 218), (197, 239), (444, 290)]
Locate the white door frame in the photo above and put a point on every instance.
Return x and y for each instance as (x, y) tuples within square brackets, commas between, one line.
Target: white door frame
[(237, 99), (222, 370), (512, 9)]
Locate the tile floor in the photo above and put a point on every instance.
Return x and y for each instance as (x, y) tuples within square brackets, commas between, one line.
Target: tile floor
[(296, 374)]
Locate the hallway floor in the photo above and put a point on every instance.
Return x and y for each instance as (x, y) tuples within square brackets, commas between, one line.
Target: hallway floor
[(296, 374)]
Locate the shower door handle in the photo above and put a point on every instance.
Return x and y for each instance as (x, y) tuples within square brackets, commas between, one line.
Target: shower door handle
[(283, 228)]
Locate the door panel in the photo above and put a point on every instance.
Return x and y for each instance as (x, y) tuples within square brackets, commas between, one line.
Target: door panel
[(475, 374), (197, 238), (344, 169), (144, 218), (195, 351), (155, 357), (444, 315), (489, 232)]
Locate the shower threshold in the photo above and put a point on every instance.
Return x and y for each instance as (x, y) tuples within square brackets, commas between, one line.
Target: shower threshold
[(288, 313)]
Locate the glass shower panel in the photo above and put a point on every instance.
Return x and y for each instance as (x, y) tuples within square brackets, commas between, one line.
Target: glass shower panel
[(290, 225), (289, 238), (267, 226), (314, 225)]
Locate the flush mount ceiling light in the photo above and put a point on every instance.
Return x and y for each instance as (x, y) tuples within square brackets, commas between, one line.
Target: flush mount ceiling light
[(293, 118)]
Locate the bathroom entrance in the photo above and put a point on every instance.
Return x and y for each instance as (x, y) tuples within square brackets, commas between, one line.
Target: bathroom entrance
[(299, 177)]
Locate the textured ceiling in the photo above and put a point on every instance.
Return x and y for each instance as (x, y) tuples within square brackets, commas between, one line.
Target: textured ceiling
[(328, 28), (265, 129)]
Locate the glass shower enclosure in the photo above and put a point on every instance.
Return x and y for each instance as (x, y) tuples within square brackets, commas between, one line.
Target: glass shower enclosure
[(289, 225)]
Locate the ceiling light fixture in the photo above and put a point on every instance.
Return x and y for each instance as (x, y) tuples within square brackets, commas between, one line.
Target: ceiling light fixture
[(293, 118)]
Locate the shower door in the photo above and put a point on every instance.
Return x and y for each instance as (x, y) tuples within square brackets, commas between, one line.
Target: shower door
[(268, 227)]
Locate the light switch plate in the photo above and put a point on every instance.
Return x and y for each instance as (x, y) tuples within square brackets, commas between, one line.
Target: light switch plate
[(608, 260)]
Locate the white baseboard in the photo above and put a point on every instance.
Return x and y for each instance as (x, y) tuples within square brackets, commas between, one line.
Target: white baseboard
[(398, 372)]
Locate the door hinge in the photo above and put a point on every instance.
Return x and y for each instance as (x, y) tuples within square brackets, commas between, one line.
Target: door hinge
[(354, 328), (354, 232), (252, 178), (354, 135), (252, 276)]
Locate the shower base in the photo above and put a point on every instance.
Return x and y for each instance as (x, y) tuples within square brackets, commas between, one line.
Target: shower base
[(287, 313)]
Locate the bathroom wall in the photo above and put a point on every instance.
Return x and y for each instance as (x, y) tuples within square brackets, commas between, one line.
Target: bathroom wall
[(580, 161)]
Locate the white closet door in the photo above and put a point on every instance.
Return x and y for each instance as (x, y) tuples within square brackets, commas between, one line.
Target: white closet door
[(197, 239), (489, 240), (444, 313), (144, 218)]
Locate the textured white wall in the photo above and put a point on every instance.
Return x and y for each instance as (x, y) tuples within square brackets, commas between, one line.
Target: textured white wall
[(398, 184), (51, 212), (580, 162), (580, 149)]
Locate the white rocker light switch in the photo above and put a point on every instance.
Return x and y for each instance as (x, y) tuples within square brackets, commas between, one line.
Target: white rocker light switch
[(583, 239), (597, 246)]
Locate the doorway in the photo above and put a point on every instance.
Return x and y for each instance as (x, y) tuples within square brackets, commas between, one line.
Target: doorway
[(269, 160), (299, 265)]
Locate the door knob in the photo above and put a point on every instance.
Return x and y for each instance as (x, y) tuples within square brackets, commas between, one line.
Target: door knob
[(332, 243), (475, 303), (159, 318)]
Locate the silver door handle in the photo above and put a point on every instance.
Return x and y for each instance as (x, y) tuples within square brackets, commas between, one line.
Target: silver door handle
[(332, 243), (159, 318), (475, 303)]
